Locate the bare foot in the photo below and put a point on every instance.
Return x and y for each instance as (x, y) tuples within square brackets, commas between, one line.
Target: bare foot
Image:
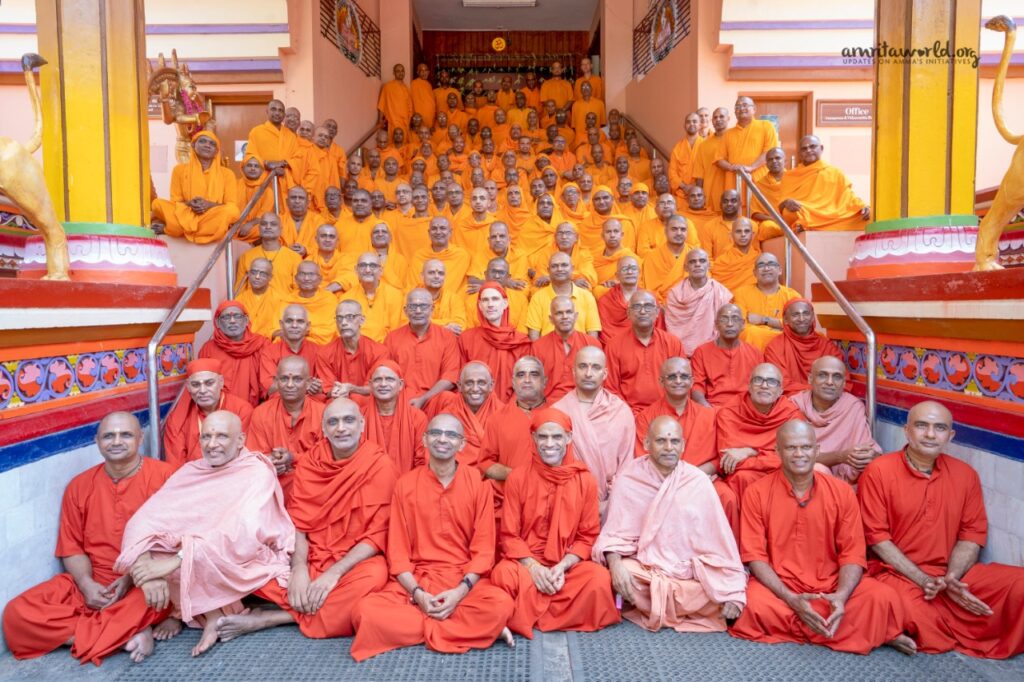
[(140, 646), (167, 629), (904, 645), (158, 228), (209, 637), (506, 635), (240, 624)]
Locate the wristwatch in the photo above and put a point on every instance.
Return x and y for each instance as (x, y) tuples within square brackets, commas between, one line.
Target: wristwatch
[(468, 583)]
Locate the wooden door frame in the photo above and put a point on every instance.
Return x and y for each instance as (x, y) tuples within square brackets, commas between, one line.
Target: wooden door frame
[(804, 97), (258, 97)]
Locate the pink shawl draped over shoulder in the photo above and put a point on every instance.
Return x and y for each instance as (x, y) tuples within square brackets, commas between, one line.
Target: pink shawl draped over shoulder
[(841, 426), (675, 526), (690, 313), (603, 435), (229, 523)]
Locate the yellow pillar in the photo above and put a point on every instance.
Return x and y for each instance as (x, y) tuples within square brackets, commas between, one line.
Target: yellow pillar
[(95, 130), (926, 107)]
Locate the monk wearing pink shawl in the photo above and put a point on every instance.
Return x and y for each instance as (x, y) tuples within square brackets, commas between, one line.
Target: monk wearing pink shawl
[(604, 429), (214, 533), (692, 304), (667, 543), (839, 420)]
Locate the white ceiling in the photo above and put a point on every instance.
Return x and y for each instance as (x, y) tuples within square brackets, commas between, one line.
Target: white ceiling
[(450, 15)]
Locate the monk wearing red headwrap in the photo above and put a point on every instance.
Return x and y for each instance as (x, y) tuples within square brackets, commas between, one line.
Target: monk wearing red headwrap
[(547, 536), (796, 349), (391, 421), (494, 341), (206, 394), (238, 350)]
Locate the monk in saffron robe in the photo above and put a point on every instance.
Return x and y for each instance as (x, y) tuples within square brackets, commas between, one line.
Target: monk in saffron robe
[(817, 194), (428, 352), (287, 425), (559, 282), (700, 440), (744, 146), (284, 261), (275, 144), (722, 366), (692, 305), (448, 310), (705, 220), (203, 550), (90, 605), (494, 341), (354, 230), (343, 365), (613, 306), (394, 106), (839, 419), (380, 303), (681, 162), (206, 395), (293, 339), (603, 209), (635, 355), (440, 595), (664, 266), (455, 258), (238, 350), (473, 404), (735, 267), (318, 302), (204, 201), (252, 177), (262, 301), (925, 523), (607, 262), (799, 345), (422, 94), (668, 545), (547, 536), (762, 303), (651, 233), (391, 420), (499, 245), (340, 503), (747, 428), (299, 222), (557, 348), (321, 169), (809, 586), (604, 430), (706, 173)]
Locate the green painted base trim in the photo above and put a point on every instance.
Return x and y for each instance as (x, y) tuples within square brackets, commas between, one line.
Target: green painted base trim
[(926, 221), (110, 229)]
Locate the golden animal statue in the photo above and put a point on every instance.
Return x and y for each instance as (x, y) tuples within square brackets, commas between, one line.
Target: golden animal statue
[(1009, 199), (180, 102), (22, 181)]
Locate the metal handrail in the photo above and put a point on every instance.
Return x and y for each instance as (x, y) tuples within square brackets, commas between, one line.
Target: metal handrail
[(844, 303), (643, 133), (358, 146), (152, 381)]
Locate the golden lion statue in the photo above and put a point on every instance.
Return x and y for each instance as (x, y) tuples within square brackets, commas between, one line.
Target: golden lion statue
[(22, 181), (1009, 200)]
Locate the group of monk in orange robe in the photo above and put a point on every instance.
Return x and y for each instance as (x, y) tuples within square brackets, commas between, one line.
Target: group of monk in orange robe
[(456, 420)]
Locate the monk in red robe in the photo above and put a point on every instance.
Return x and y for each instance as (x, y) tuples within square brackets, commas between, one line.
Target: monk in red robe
[(746, 429), (391, 420), (839, 419), (428, 352), (494, 341), (798, 346), (667, 543), (925, 523), (613, 306), (700, 439), (90, 606), (604, 430), (440, 595), (206, 395), (287, 425), (343, 365), (474, 404), (294, 340), (203, 550), (692, 305), (547, 537), (238, 350), (557, 349), (722, 366), (340, 503), (635, 355), (803, 541)]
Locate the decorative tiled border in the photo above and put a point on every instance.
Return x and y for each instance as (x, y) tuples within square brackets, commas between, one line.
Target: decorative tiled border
[(33, 381), (986, 375)]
